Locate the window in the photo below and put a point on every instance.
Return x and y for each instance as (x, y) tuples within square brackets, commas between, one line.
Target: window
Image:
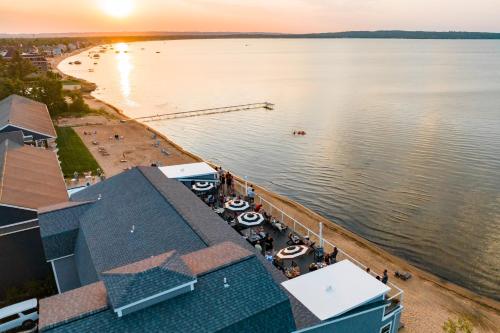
[(386, 328), (27, 312), (9, 318)]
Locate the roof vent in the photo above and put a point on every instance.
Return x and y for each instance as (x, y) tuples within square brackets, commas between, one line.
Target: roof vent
[(99, 197), (226, 285), (133, 229)]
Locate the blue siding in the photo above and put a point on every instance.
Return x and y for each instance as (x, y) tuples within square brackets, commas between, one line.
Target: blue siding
[(12, 215), (36, 136), (368, 322)]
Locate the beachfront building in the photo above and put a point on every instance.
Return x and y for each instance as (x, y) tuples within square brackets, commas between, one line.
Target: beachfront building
[(191, 172), (30, 178), (18, 113), (346, 299), (140, 252)]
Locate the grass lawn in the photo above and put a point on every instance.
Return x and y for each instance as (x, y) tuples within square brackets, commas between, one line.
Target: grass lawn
[(73, 154)]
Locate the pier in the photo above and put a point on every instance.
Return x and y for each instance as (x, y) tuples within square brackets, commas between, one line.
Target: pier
[(204, 112)]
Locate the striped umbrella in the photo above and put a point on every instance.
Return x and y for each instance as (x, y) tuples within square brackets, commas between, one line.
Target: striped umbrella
[(203, 186), (292, 252), (237, 205), (250, 219)]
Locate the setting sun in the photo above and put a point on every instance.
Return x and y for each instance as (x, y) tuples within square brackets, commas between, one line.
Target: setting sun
[(117, 8)]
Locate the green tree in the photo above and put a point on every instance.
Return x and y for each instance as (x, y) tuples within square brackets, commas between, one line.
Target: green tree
[(461, 325), (18, 67)]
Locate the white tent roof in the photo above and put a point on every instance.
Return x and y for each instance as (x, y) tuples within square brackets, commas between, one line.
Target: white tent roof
[(336, 289), (187, 170)]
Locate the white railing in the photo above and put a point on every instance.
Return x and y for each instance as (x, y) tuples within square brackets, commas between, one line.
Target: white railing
[(396, 293)]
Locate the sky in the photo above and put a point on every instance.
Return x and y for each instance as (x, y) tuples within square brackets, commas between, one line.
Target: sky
[(288, 16)]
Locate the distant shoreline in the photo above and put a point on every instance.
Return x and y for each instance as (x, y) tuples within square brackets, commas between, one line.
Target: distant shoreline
[(107, 37)]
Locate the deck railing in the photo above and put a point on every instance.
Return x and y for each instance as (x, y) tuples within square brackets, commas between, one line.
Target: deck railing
[(395, 294)]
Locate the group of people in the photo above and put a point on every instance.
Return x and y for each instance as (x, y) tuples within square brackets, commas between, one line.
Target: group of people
[(225, 181), (385, 277)]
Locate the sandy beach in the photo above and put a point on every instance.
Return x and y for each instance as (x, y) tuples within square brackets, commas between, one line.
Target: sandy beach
[(428, 300)]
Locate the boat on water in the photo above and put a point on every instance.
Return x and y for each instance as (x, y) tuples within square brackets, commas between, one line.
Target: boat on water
[(91, 70), (96, 56), (157, 51), (78, 62)]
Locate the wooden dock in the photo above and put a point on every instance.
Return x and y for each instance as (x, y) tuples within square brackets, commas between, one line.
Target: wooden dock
[(204, 112)]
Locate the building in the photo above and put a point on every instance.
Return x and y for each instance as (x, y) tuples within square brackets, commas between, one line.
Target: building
[(140, 252), (30, 178), (346, 299), (19, 113), (38, 60)]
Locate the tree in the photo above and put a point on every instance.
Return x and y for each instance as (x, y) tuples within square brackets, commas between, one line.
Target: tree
[(461, 325), (18, 67)]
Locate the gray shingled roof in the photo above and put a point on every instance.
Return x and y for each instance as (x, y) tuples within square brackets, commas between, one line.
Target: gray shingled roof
[(126, 288), (131, 222), (251, 303), (168, 216)]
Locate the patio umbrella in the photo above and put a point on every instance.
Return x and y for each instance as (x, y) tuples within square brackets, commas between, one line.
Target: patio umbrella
[(292, 252), (237, 205), (250, 219), (203, 186)]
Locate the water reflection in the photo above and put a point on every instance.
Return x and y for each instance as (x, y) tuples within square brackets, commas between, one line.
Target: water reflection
[(124, 69)]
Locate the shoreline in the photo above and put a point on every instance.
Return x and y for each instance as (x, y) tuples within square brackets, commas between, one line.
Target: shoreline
[(428, 299)]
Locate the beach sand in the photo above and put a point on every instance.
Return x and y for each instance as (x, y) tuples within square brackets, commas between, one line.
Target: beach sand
[(428, 300)]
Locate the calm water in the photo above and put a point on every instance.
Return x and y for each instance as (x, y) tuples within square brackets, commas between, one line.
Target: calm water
[(403, 136)]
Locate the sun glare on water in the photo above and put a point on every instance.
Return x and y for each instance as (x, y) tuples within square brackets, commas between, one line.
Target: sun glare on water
[(117, 8)]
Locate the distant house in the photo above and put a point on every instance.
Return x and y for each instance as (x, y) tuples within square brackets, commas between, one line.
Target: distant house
[(30, 178), (63, 47), (19, 113), (140, 252), (71, 47)]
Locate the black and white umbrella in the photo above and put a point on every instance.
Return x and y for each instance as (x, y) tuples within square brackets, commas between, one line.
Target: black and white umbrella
[(203, 186), (250, 219), (237, 205), (292, 252)]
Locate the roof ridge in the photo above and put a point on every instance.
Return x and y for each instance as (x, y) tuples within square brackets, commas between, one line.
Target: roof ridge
[(46, 209), (2, 176)]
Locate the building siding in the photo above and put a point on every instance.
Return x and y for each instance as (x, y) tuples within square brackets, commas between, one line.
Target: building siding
[(10, 215), (22, 253)]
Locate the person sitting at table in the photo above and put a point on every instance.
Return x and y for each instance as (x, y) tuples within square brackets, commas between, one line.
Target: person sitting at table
[(258, 247), (295, 270), (307, 241), (313, 267), (269, 243), (327, 259), (278, 263), (333, 255)]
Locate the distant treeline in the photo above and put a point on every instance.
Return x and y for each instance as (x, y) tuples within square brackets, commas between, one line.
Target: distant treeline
[(135, 37)]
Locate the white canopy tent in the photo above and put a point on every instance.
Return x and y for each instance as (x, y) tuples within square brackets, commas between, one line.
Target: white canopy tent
[(336, 289), (190, 172)]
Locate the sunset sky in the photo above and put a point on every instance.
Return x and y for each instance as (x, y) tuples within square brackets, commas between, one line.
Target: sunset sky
[(296, 16)]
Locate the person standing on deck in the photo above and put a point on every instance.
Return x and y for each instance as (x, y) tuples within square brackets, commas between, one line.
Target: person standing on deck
[(250, 194), (229, 182), (385, 278)]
